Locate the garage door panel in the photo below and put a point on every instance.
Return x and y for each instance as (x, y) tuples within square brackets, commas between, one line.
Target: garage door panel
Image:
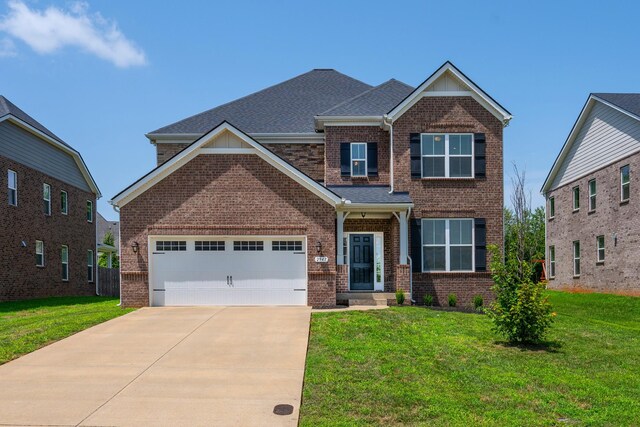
[(266, 271)]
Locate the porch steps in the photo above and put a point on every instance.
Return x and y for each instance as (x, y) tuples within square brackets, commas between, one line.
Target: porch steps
[(365, 298)]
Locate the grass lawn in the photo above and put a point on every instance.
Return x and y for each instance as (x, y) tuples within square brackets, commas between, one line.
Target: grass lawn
[(26, 326), (411, 365)]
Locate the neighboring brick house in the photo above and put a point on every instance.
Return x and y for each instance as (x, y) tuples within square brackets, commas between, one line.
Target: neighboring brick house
[(47, 212), (318, 190), (593, 204)]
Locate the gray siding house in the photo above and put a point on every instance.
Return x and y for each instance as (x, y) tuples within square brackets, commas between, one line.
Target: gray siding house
[(593, 202)]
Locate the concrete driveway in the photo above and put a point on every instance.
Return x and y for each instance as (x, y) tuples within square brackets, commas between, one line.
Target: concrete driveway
[(165, 366)]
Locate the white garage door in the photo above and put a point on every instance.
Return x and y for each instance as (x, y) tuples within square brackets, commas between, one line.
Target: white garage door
[(215, 270)]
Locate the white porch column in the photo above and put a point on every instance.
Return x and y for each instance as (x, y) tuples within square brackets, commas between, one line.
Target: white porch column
[(110, 260), (339, 237), (403, 218)]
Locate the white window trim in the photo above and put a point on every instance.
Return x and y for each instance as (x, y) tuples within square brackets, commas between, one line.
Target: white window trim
[(89, 202), (592, 196), (40, 253), (598, 249), (15, 188), (448, 246), (552, 262), (64, 263), (351, 159), (65, 211), (573, 198), (622, 184), (573, 247), (552, 207), (90, 252), (447, 156), (47, 186)]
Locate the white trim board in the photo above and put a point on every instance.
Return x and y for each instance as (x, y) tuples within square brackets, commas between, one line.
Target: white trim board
[(196, 148), (72, 152)]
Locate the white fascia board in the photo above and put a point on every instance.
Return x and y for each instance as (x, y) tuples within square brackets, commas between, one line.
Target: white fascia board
[(288, 138), (72, 152), (369, 207), (195, 149), (408, 102), (567, 144), (155, 138), (322, 121)]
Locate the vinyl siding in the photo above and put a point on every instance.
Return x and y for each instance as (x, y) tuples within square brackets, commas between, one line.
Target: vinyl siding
[(606, 135), (23, 147)]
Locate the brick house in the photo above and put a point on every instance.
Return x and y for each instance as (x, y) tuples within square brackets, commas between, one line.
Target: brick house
[(47, 212), (320, 190), (593, 207)]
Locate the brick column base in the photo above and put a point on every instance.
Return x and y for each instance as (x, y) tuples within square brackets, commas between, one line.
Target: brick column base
[(402, 278), (342, 278)]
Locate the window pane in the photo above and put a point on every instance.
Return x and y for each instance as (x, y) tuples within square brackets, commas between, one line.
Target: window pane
[(625, 192), (12, 179), (359, 168), (465, 144), (433, 166), (46, 191), (432, 145), (592, 187), (460, 231), (434, 258), (65, 254), (461, 258), (454, 144), (433, 232), (459, 167)]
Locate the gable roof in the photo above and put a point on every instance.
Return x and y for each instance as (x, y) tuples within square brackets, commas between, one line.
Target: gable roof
[(9, 111), (627, 103), (474, 90), (193, 149), (373, 102), (287, 107)]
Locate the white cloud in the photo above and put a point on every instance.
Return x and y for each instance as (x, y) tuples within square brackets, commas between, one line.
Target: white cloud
[(49, 30), (7, 48)]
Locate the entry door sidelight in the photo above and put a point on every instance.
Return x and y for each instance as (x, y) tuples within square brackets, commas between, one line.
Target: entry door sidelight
[(361, 262)]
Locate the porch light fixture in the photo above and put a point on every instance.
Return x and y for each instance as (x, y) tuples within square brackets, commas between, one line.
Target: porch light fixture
[(135, 247), (363, 214), (319, 246)]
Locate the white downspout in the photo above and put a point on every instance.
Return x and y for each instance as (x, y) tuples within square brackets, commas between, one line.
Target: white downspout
[(390, 124)]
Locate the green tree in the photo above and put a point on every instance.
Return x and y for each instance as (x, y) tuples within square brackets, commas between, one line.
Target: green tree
[(103, 259)]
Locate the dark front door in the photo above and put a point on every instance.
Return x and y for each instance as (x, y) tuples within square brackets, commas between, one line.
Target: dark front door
[(361, 262)]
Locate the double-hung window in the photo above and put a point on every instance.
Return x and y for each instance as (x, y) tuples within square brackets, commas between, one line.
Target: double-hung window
[(625, 179), (46, 197), (358, 159), (592, 195), (89, 211), (576, 258), (64, 207), (64, 260), (39, 253), (447, 245), (600, 248), (12, 184), (90, 265), (447, 155), (552, 207), (576, 198), (552, 262)]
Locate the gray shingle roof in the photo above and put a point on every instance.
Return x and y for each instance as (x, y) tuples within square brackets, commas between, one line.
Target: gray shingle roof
[(8, 107), (627, 101), (369, 194), (288, 107), (373, 102)]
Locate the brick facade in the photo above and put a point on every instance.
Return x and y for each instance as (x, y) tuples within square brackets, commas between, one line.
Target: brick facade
[(309, 158), (20, 278), (165, 151), (452, 198), (227, 195), (619, 272)]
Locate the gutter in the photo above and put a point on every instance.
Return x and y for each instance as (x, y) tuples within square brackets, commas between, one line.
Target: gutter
[(390, 124)]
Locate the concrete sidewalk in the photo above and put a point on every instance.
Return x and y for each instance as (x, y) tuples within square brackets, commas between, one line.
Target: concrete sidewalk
[(165, 366)]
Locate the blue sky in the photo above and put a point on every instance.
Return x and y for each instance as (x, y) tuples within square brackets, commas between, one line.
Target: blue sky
[(101, 74)]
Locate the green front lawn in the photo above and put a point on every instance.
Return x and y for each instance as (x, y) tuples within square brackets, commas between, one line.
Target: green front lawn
[(411, 365), (26, 326)]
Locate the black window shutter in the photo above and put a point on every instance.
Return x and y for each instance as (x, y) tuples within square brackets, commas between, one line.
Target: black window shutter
[(481, 244), (480, 145), (345, 159), (372, 159), (414, 151), (416, 244)]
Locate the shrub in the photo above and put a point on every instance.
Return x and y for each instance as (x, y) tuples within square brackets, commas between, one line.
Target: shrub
[(400, 296), (428, 300), (478, 302), (453, 300), (521, 311)]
